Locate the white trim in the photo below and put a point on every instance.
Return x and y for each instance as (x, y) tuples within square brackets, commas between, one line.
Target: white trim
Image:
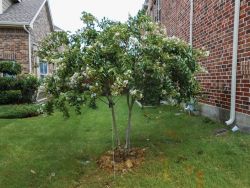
[(38, 68), (191, 22), (38, 12), (30, 57), (51, 17), (12, 24), (234, 62), (1, 6)]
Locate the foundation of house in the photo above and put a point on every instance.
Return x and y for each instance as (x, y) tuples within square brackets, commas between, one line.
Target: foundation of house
[(222, 115)]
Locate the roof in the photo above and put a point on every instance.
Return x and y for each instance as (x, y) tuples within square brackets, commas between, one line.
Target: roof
[(23, 13)]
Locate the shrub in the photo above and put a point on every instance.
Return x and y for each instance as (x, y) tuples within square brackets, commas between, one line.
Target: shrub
[(28, 85), (10, 97), (10, 67), (19, 111), (9, 83)]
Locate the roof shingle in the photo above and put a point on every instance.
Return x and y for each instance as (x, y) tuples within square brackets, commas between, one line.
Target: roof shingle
[(21, 13)]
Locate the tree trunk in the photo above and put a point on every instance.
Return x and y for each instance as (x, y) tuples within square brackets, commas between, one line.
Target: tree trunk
[(128, 130), (117, 139), (111, 105)]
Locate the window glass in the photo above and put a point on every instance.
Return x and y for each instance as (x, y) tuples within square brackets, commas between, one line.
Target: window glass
[(43, 69)]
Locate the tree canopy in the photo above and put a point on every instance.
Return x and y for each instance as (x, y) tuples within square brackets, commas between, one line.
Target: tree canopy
[(106, 59)]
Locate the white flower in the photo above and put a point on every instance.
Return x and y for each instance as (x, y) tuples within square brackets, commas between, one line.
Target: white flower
[(133, 92), (144, 37), (204, 70), (128, 73), (206, 53), (164, 92), (93, 95), (125, 82), (84, 74), (133, 42), (117, 34)]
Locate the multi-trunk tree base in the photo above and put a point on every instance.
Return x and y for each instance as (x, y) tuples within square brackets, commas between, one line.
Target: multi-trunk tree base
[(121, 161)]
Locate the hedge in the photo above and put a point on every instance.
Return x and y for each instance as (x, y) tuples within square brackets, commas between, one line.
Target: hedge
[(17, 89), (9, 83), (10, 97), (10, 67), (19, 111), (28, 85)]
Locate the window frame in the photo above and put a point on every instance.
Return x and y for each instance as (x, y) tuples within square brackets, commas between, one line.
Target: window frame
[(41, 73)]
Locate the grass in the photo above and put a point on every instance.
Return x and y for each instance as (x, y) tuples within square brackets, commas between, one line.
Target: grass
[(18, 111), (182, 151)]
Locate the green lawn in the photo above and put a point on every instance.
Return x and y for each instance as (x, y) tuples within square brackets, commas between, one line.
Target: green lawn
[(182, 151)]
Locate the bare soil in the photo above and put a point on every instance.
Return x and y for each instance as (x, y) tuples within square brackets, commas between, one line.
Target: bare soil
[(120, 161)]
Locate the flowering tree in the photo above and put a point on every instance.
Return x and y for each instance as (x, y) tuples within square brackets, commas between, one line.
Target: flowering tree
[(169, 62), (111, 59)]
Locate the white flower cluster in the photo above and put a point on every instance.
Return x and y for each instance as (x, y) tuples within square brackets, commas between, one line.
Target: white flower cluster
[(136, 93), (128, 74), (89, 72), (60, 67), (57, 61), (163, 92), (118, 86), (117, 34), (133, 42), (203, 70), (74, 80), (41, 108), (206, 53), (93, 95)]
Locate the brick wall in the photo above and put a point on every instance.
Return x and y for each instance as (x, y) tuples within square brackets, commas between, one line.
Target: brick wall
[(14, 46), (213, 30)]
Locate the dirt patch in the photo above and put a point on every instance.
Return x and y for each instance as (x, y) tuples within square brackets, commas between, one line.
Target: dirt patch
[(119, 161)]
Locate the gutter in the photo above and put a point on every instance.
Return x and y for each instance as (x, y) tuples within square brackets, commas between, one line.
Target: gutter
[(20, 24), (30, 63), (234, 62), (191, 22)]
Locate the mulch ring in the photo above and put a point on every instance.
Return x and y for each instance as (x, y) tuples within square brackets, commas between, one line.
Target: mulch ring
[(119, 161)]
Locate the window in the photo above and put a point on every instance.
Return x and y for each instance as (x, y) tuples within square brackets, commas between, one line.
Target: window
[(8, 75), (43, 69), (157, 12)]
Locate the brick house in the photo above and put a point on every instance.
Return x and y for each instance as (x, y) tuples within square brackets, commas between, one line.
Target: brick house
[(223, 28), (23, 23)]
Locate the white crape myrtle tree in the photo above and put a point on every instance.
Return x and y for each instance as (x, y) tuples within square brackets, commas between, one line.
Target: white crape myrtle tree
[(107, 59)]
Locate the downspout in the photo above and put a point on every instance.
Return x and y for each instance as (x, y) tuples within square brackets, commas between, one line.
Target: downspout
[(1, 6), (30, 63), (191, 22), (235, 61)]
